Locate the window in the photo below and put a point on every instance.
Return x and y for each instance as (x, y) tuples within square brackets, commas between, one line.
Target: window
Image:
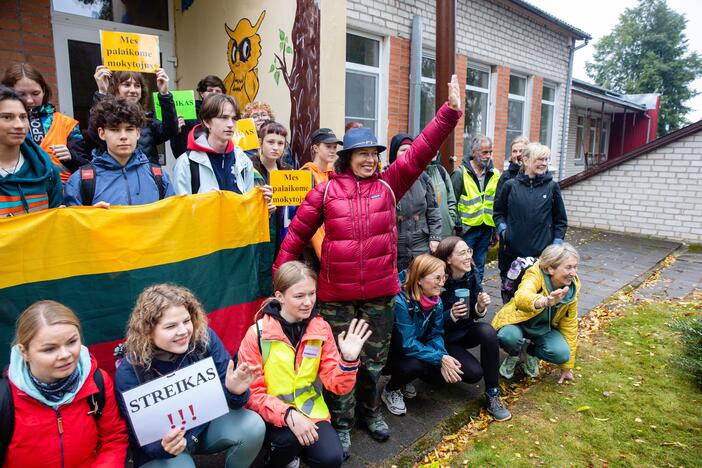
[(362, 80), (548, 106), (477, 104), (151, 14), (579, 140), (427, 103), (516, 105)]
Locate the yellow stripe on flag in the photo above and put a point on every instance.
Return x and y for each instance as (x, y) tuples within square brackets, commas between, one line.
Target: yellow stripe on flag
[(52, 244)]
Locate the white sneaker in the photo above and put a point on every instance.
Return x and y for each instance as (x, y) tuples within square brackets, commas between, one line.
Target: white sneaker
[(394, 401), (408, 391), (295, 463)]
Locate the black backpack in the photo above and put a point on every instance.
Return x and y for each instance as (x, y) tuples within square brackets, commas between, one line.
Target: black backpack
[(87, 182), (96, 403)]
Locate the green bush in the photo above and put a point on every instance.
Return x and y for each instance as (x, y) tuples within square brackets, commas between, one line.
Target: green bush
[(691, 336)]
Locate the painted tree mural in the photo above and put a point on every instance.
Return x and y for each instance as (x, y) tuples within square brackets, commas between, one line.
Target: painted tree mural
[(302, 78)]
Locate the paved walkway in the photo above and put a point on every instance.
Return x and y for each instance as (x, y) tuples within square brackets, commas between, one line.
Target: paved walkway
[(608, 262)]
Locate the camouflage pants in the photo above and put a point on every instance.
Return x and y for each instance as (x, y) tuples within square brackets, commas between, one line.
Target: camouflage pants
[(379, 315)]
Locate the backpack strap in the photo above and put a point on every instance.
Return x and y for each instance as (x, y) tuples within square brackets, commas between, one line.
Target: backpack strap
[(157, 174), (194, 175), (96, 401), (264, 346), (7, 416), (87, 184)]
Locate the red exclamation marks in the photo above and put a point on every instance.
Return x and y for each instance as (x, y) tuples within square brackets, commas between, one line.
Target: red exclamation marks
[(170, 418), (192, 411), (182, 419)]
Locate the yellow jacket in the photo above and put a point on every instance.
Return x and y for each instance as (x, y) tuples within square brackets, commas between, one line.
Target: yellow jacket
[(521, 308)]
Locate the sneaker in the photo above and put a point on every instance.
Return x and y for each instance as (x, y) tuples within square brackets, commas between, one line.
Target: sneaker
[(294, 464), (508, 365), (531, 366), (394, 401), (495, 407), (379, 429), (408, 391), (345, 440)]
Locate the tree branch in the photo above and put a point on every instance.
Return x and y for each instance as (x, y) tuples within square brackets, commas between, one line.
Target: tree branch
[(284, 68)]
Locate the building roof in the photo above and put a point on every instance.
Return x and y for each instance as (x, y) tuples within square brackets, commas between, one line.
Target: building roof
[(598, 93), (641, 150), (560, 24)]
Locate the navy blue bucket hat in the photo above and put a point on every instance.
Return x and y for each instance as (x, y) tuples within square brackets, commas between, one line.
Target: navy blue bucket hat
[(361, 137)]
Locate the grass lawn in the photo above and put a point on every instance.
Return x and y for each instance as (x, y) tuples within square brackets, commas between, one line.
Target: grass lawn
[(630, 405)]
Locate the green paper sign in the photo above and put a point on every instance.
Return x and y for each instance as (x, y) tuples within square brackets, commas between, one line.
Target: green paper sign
[(184, 103)]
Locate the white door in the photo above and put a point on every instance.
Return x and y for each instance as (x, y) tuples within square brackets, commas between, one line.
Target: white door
[(77, 45)]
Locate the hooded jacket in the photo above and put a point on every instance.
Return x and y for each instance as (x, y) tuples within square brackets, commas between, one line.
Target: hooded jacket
[(198, 151), (455, 331), (154, 133), (418, 216), (531, 214), (129, 376), (359, 252), (80, 441), (337, 375), (445, 198), (510, 173), (34, 187), (418, 334), (564, 316), (132, 184)]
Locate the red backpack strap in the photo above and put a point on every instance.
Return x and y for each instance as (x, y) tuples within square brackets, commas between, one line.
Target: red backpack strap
[(157, 174), (87, 184)]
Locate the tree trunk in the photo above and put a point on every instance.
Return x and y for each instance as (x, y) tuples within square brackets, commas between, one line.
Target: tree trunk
[(303, 79)]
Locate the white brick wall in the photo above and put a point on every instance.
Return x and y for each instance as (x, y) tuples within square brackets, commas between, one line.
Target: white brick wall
[(486, 33), (656, 194)]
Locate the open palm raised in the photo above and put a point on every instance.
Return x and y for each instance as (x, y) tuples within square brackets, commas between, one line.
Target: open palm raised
[(351, 341)]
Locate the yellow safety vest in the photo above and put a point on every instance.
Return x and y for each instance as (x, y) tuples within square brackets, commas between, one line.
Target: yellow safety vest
[(474, 206), (296, 387)]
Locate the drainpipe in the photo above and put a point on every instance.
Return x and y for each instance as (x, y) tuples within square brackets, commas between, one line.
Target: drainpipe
[(648, 127), (566, 108), (415, 94)]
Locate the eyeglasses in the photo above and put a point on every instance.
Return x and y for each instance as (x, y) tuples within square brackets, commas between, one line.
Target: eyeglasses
[(262, 116), (464, 253), (437, 278)]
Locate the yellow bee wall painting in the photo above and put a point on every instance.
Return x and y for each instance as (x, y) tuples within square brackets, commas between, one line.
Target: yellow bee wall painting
[(243, 53)]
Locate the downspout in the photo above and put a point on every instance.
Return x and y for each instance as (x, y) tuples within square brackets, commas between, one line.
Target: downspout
[(566, 108), (415, 91), (648, 127)]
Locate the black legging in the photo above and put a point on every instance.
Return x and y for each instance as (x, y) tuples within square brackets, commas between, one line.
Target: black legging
[(283, 447), (405, 369)]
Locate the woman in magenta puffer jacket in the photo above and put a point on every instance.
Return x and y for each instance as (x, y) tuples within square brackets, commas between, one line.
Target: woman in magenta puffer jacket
[(358, 276)]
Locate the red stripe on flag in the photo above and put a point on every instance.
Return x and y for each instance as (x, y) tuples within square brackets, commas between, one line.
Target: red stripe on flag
[(230, 324)]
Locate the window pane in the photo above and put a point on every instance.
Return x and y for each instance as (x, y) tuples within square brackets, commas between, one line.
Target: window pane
[(476, 114), (362, 50), (427, 104), (428, 67), (549, 94), (151, 14), (546, 124), (478, 78), (517, 85), (515, 121), (361, 98)]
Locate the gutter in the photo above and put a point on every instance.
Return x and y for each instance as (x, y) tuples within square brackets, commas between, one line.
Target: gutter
[(566, 107)]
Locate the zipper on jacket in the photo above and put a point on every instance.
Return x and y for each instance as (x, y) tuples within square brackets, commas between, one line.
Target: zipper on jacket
[(360, 230), (126, 184), (59, 421)]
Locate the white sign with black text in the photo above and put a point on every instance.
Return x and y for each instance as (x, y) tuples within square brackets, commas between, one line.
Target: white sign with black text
[(186, 398)]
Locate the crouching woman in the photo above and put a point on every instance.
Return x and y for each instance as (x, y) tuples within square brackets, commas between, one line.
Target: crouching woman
[(65, 413), (544, 314), (296, 348), (168, 331)]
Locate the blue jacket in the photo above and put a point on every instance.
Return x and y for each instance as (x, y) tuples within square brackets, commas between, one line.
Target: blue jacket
[(132, 184), (128, 377), (420, 335)]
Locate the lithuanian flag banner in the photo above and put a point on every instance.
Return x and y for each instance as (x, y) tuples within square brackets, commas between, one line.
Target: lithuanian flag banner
[(97, 261)]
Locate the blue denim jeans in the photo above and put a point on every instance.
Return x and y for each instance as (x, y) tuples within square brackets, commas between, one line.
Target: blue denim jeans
[(478, 239)]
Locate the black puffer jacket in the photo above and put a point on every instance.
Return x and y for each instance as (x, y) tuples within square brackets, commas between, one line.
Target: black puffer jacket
[(455, 331), (533, 213), (418, 214), (509, 174), (154, 133)]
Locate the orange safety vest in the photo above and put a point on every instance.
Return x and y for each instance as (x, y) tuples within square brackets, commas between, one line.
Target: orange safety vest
[(61, 127)]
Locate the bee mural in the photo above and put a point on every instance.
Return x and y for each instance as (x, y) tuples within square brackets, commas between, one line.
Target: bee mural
[(243, 54)]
